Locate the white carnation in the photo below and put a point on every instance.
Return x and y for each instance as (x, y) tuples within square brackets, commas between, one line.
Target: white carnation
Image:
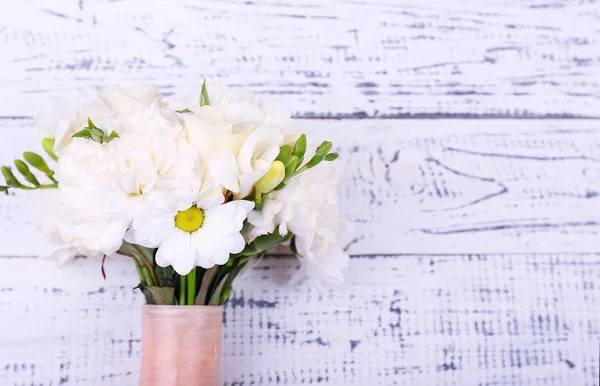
[(62, 120), (102, 185), (128, 98), (308, 208)]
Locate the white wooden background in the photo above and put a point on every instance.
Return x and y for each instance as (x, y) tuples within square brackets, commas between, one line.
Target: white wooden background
[(477, 251)]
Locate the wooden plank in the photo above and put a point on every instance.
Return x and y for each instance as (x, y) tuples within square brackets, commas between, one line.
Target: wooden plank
[(414, 319), (321, 58), (420, 186)]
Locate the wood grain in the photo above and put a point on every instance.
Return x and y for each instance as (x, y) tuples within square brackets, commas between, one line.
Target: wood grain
[(421, 186), (473, 319), (321, 58)]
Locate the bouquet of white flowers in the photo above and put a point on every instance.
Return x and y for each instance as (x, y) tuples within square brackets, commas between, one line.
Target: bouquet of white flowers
[(192, 189)]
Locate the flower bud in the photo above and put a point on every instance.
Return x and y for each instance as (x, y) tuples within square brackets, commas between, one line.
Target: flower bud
[(274, 177), (37, 162), (48, 145)]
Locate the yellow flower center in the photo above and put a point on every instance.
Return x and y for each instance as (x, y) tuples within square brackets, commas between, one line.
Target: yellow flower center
[(190, 220)]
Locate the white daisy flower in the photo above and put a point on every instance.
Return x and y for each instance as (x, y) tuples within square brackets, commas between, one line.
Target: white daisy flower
[(202, 234)]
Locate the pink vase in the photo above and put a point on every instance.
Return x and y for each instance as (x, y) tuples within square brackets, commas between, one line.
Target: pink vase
[(181, 345)]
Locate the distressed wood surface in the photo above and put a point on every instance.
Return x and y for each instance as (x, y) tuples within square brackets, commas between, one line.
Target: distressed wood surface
[(422, 186), (476, 259), (321, 58), (462, 320)]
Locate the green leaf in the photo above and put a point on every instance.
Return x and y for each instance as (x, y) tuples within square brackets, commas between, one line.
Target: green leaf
[(159, 295), (183, 111), (37, 162), (146, 276), (24, 170), (265, 242), (112, 136), (4, 189), (280, 186), (216, 296), (138, 268), (83, 133), (293, 247), (300, 146), (48, 145), (331, 156), (204, 95), (324, 148), (314, 161), (284, 153), (10, 178), (144, 257), (91, 124), (290, 165), (95, 134), (165, 276), (225, 294), (207, 279)]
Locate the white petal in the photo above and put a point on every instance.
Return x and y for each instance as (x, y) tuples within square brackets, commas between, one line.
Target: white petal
[(220, 255), (244, 159), (145, 92), (112, 237), (238, 243), (174, 247), (228, 217), (184, 266), (119, 101), (224, 170), (247, 181)]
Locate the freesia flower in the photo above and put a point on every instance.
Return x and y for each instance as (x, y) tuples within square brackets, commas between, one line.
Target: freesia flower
[(239, 171)]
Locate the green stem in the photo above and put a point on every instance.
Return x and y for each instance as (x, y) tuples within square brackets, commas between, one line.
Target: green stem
[(148, 265), (147, 279), (191, 287), (182, 282), (51, 176), (139, 270), (206, 283)]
